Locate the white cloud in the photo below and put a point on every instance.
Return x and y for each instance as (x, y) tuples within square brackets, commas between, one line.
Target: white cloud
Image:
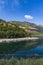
[(28, 17)]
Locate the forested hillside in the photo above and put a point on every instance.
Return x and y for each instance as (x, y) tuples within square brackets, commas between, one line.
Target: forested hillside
[(15, 29)]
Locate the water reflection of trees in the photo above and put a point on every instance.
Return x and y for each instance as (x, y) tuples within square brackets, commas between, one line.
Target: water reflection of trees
[(11, 47)]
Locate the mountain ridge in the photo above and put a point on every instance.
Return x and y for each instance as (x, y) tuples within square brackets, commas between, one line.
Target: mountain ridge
[(12, 29)]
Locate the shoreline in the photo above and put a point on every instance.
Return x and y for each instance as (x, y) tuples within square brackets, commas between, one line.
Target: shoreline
[(18, 39)]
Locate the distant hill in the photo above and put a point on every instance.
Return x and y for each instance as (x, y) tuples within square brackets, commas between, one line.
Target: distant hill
[(29, 26), (12, 29)]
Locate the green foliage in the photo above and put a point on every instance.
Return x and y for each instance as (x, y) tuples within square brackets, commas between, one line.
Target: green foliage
[(11, 30), (14, 61), (16, 29)]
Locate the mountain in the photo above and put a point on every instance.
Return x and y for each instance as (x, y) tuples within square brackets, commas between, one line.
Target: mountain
[(29, 26), (12, 29)]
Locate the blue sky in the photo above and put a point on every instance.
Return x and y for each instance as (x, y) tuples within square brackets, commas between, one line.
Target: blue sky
[(22, 10)]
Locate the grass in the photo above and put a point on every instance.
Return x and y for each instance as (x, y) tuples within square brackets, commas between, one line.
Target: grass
[(7, 47), (14, 61)]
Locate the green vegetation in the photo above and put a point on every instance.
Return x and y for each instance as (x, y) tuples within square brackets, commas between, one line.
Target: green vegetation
[(11, 30), (7, 48), (14, 29), (22, 61)]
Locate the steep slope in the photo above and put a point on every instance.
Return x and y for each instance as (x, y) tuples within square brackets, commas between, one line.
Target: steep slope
[(29, 26), (11, 30), (17, 29)]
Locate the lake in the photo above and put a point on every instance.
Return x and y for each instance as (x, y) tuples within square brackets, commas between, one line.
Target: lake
[(31, 48)]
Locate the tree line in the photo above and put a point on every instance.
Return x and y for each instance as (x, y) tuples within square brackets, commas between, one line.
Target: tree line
[(10, 30)]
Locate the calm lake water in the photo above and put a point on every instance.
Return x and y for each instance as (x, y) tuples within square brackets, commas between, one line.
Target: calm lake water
[(31, 48)]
